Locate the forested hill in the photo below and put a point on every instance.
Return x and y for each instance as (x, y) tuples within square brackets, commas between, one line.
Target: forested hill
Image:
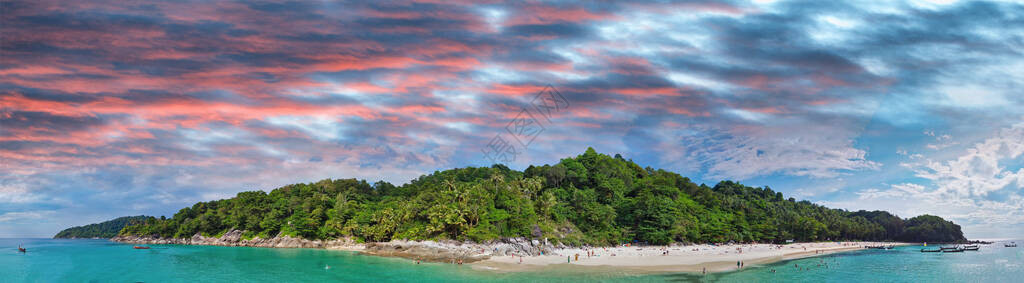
[(106, 229), (592, 198)]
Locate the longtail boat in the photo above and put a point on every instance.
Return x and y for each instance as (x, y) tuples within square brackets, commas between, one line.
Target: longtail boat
[(141, 247), (20, 249), (930, 251)]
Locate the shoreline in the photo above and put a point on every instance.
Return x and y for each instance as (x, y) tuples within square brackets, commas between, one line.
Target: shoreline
[(680, 259), (505, 255), (430, 251)]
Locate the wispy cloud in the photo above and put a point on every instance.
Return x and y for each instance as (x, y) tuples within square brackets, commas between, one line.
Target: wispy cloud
[(147, 106)]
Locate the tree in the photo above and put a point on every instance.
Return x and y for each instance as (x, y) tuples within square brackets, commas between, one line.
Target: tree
[(592, 198)]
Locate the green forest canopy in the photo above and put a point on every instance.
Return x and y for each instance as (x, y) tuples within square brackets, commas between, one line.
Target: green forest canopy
[(106, 229), (590, 199)]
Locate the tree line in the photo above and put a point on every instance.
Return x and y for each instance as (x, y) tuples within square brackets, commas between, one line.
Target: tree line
[(106, 229), (591, 199)]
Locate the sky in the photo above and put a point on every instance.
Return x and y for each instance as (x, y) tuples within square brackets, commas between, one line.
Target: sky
[(114, 108)]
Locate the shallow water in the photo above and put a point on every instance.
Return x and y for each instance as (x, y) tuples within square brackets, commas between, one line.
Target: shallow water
[(51, 260)]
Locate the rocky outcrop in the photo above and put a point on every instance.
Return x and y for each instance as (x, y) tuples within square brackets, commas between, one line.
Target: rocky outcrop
[(436, 251), (445, 251), (233, 238), (428, 251), (520, 246)]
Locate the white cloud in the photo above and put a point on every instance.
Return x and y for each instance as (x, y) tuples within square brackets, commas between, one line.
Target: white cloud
[(904, 190), (876, 66), (841, 22), (978, 172), (873, 193), (686, 80), (932, 4), (941, 141), (973, 96), (495, 17), (748, 115), (17, 194), (320, 127), (24, 216), (974, 189), (820, 151), (833, 30)]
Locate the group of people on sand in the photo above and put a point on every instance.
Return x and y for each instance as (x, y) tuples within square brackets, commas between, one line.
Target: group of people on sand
[(589, 253)]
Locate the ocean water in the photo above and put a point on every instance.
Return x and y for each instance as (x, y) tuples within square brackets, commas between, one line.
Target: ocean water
[(51, 260)]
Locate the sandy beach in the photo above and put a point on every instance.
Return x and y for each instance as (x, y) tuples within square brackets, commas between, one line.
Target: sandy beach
[(654, 259), (518, 254)]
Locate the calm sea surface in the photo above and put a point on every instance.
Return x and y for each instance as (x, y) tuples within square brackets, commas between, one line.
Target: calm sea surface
[(102, 261)]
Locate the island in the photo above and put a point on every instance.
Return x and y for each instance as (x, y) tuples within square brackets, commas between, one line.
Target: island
[(592, 203), (107, 229)]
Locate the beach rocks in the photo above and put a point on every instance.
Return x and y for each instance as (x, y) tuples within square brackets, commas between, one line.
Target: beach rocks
[(518, 246), (427, 251), (233, 238), (448, 251), (436, 251)]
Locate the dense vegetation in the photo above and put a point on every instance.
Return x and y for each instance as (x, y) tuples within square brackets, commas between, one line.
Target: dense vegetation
[(930, 228), (106, 229), (593, 198)]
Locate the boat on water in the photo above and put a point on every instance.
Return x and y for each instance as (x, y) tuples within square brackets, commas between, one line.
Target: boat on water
[(21, 249), (971, 248), (140, 247), (1011, 245), (889, 247), (931, 251), (954, 249), (950, 248)]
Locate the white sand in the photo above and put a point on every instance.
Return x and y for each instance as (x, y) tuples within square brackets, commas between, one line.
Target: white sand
[(692, 258)]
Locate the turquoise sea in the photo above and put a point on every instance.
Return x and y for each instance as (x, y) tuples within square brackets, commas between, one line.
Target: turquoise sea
[(51, 260)]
